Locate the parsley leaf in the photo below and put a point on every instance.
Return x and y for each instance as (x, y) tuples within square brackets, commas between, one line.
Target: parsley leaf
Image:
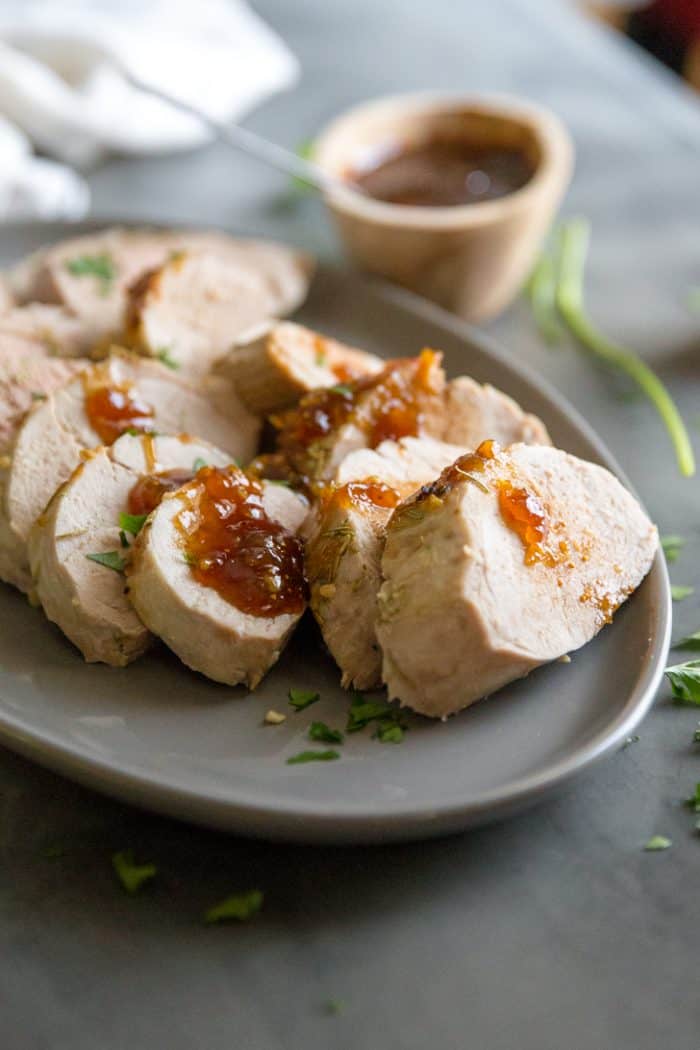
[(166, 358), (342, 388), (389, 733), (323, 733), (110, 560), (132, 523), (312, 756), (657, 842), (123, 541), (671, 546), (679, 593), (685, 681), (239, 906), (694, 800), (132, 876), (301, 698), (362, 712), (199, 463), (100, 266)]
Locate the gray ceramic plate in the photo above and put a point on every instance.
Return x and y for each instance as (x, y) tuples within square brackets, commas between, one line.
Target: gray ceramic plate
[(160, 736)]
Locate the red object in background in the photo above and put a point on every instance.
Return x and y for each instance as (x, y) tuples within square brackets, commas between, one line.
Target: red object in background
[(669, 29), (681, 17)]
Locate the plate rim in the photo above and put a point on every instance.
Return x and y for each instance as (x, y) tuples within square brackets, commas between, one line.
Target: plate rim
[(310, 821)]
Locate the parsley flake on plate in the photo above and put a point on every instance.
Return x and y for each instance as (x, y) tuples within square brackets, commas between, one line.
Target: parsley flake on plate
[(679, 592), (132, 523), (324, 734), (100, 266), (694, 801), (110, 560), (363, 711), (239, 906), (301, 698), (389, 733), (685, 681), (342, 388), (312, 756), (166, 358), (671, 546), (657, 842), (132, 876)]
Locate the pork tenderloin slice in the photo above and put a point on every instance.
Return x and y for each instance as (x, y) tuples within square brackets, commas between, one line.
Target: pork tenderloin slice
[(27, 375), (273, 365), (345, 536), (467, 607), (7, 299), (48, 445), (405, 399), (208, 633), (87, 600), (476, 412), (55, 329)]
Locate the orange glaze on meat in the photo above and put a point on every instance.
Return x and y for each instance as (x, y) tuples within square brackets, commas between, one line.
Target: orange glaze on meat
[(395, 409), (112, 410), (149, 490), (522, 511), (232, 546), (370, 492)]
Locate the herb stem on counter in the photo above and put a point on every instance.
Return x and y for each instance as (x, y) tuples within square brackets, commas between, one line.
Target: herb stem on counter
[(570, 300)]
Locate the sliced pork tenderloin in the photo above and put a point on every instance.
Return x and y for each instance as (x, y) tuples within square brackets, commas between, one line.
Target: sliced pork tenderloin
[(476, 412), (509, 560), (83, 523), (275, 364), (7, 299), (59, 332), (217, 574), (345, 536), (121, 393), (191, 308)]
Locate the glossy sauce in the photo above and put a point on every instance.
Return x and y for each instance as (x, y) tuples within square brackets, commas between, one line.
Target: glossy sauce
[(233, 547), (522, 511), (150, 489), (444, 173), (112, 410), (368, 492)]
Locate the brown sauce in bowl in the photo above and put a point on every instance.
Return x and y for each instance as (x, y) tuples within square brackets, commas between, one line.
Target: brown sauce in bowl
[(445, 173)]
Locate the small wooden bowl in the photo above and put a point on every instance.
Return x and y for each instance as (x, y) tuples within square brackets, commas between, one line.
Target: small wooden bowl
[(470, 258)]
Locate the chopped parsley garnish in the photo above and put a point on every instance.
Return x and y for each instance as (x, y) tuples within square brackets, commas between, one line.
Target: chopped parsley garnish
[(679, 592), (132, 876), (36, 396), (301, 698), (100, 266), (199, 463), (110, 560), (334, 1006), (166, 358), (685, 681), (320, 358), (671, 546), (239, 906), (123, 539), (324, 734), (342, 388), (657, 842), (132, 523), (312, 756), (389, 733), (692, 641), (363, 711)]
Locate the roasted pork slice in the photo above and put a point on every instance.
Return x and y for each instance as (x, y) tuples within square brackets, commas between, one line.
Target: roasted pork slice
[(120, 394), (475, 413), (80, 544), (55, 329), (509, 560), (28, 373), (272, 366), (344, 542), (7, 299), (189, 310), (405, 399), (217, 573)]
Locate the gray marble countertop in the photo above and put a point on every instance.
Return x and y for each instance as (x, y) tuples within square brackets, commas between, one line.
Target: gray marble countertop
[(553, 931)]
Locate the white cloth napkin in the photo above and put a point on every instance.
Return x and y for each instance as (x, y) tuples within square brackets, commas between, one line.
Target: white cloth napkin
[(61, 86)]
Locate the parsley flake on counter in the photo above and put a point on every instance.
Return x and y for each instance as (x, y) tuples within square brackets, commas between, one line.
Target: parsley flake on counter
[(132, 523), (679, 592), (657, 842), (110, 560), (239, 906), (692, 641), (132, 876), (685, 681), (312, 756), (324, 734), (100, 266), (301, 698), (166, 358), (672, 546)]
